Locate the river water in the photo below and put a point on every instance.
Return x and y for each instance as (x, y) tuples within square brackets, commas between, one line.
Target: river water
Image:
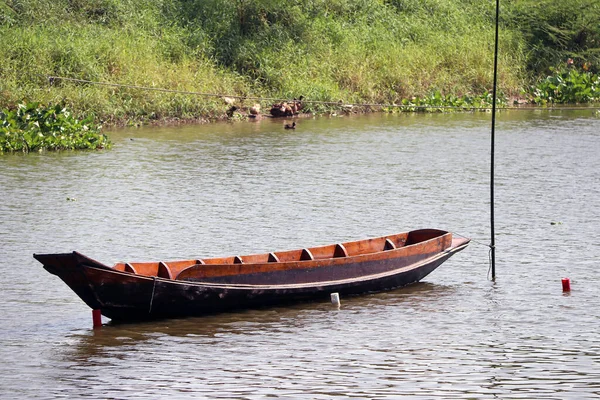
[(247, 187)]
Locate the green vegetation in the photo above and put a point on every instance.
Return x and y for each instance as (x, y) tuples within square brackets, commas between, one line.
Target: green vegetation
[(436, 101), (567, 86), (555, 31), (33, 127), (357, 51)]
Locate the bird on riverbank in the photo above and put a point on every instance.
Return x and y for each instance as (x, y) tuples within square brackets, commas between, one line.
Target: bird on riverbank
[(231, 110), (285, 109), (255, 109), (288, 126), (228, 100)]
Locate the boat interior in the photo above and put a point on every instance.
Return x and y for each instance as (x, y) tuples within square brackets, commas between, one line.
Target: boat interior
[(172, 269)]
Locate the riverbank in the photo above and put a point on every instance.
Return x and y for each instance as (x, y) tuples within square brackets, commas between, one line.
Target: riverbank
[(330, 53)]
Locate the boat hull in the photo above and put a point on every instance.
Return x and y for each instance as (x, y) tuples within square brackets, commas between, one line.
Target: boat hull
[(122, 296)]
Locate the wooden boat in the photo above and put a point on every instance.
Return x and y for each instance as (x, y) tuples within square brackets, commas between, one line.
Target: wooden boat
[(151, 290)]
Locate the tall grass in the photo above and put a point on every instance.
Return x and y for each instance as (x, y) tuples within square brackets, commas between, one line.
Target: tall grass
[(127, 48), (373, 51), (359, 50), (554, 31)]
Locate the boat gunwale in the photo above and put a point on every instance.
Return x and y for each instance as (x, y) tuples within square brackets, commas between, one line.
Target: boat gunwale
[(205, 262), (380, 255), (363, 278), (446, 252)]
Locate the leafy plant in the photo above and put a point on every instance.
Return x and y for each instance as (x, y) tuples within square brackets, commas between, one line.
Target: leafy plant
[(436, 101), (34, 127), (567, 86)]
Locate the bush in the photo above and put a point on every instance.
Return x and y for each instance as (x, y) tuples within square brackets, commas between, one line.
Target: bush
[(557, 30), (33, 127), (567, 86)]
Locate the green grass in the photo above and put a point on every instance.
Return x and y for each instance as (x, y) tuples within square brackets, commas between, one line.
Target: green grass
[(357, 51)]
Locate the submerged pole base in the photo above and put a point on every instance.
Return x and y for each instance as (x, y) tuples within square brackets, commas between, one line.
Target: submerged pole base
[(97, 318)]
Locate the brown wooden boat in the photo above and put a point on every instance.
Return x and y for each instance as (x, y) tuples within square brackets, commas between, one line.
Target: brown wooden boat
[(151, 290)]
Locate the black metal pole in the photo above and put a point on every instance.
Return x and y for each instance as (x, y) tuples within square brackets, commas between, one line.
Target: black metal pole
[(493, 239)]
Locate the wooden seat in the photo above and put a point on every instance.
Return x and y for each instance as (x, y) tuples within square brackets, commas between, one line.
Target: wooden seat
[(340, 251), (129, 268), (389, 245), (164, 271), (306, 255)]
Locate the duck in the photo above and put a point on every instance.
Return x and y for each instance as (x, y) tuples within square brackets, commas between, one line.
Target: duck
[(278, 110), (228, 100), (231, 110), (297, 105), (282, 110), (288, 126), (285, 109), (255, 109)]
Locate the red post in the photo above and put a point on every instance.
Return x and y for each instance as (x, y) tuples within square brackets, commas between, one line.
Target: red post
[(97, 318), (566, 284)]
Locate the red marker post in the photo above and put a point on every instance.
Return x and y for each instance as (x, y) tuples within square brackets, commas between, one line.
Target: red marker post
[(566, 284), (97, 318)]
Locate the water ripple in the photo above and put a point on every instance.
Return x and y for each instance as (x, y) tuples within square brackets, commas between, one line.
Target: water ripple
[(225, 189)]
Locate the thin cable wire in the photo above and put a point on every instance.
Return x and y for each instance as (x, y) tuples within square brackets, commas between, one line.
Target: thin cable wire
[(331, 103), (472, 240), (482, 244)]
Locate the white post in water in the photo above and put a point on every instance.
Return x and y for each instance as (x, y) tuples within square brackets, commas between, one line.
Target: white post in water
[(335, 299)]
